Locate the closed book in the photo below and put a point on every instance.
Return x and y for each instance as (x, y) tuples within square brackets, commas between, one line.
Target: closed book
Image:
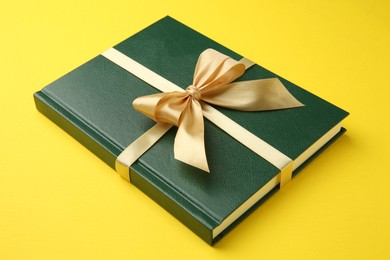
[(93, 104)]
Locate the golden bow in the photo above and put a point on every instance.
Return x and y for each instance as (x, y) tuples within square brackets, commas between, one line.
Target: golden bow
[(213, 75)]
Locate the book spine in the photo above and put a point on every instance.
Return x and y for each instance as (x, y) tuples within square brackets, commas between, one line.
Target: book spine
[(142, 177), (77, 128)]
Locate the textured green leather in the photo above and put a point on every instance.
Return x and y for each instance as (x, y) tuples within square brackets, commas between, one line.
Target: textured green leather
[(93, 104)]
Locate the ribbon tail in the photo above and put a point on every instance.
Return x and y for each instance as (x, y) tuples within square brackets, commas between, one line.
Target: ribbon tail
[(189, 142)]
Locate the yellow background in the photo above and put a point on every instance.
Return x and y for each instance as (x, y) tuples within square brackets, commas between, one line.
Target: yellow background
[(58, 201)]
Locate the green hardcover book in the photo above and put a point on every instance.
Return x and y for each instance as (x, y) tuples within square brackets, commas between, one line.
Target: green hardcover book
[(93, 104)]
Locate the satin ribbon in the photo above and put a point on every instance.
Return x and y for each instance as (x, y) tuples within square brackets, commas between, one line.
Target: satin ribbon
[(213, 83)]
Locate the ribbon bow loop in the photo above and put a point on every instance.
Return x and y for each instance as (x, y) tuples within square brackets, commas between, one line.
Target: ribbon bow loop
[(214, 70), (213, 77)]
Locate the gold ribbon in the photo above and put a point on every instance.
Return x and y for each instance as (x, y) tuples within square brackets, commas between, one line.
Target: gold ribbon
[(212, 83), (131, 153)]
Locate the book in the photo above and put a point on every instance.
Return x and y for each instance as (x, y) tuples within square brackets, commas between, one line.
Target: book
[(93, 104)]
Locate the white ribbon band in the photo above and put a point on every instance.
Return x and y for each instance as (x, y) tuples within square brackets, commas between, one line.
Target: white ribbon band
[(254, 143)]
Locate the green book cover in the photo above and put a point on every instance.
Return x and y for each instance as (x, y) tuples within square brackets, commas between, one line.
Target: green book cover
[(93, 104)]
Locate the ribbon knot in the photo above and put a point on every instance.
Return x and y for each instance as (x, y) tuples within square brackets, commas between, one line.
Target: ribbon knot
[(213, 83), (194, 92)]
